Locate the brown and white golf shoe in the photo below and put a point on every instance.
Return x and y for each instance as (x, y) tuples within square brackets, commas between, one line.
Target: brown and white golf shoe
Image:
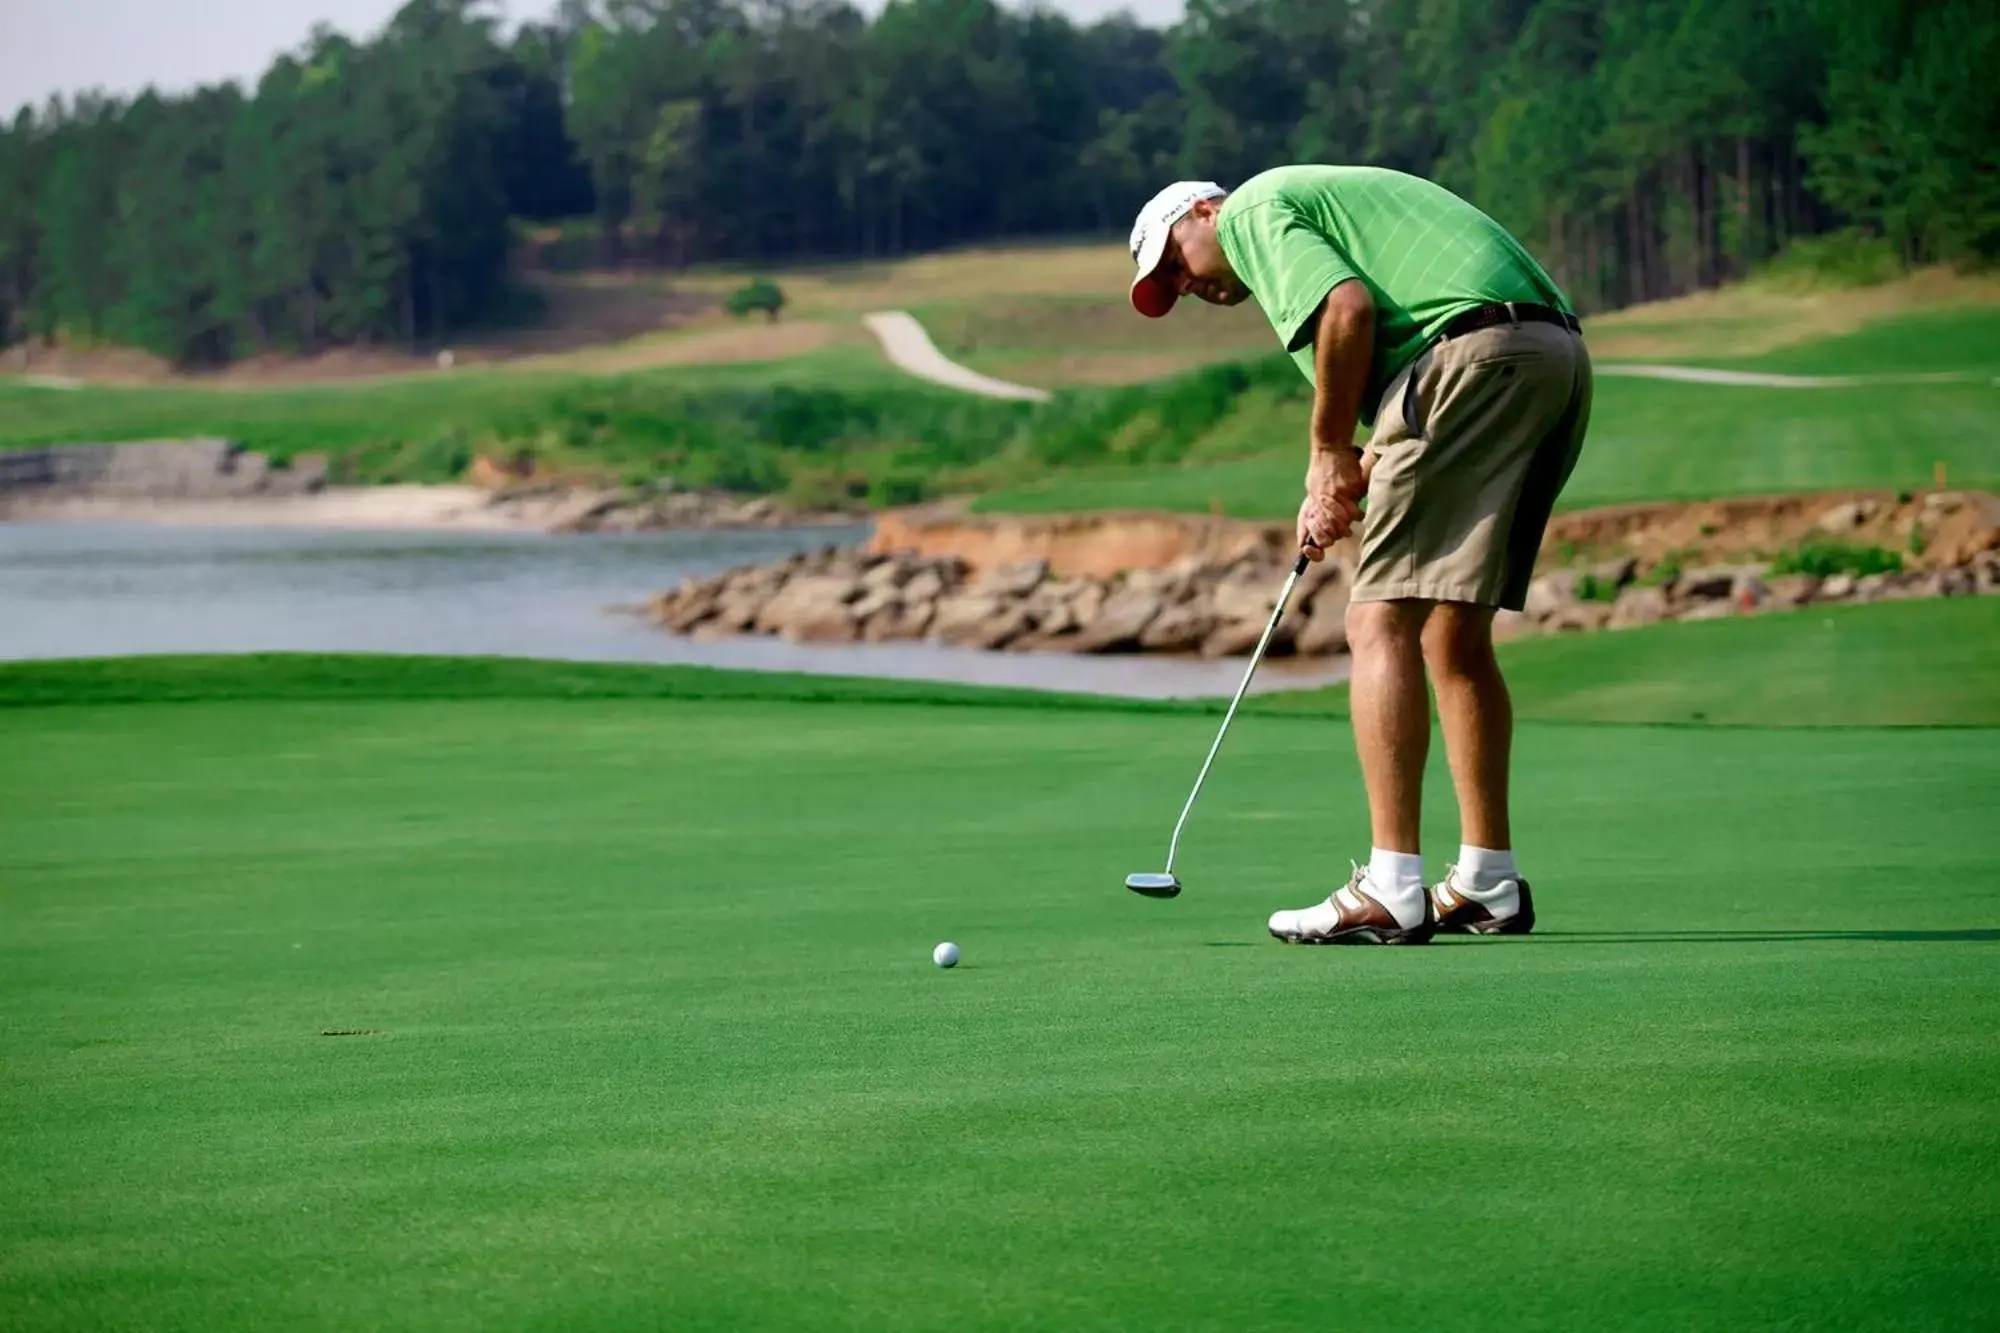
[(1352, 915), (1493, 912)]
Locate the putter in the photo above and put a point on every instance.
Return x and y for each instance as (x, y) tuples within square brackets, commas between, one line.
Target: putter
[(1166, 884)]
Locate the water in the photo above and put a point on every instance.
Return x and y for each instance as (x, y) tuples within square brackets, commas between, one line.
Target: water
[(78, 589)]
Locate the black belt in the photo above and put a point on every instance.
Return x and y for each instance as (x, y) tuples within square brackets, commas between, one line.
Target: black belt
[(1509, 312)]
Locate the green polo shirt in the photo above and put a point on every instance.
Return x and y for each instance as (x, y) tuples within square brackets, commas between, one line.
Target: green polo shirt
[(1296, 233)]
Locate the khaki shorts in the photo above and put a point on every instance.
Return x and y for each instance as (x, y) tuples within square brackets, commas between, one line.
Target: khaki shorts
[(1474, 441)]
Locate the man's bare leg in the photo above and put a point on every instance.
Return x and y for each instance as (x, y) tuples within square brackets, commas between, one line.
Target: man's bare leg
[(1485, 891), (1478, 718), (1392, 716)]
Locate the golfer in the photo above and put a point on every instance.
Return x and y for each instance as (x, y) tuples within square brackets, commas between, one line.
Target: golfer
[(1417, 315)]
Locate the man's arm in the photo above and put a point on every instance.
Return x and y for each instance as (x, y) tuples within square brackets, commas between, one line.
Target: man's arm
[(1343, 351)]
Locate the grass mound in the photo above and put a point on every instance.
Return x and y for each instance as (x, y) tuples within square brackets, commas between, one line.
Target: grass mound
[(1899, 664), (348, 677), (1649, 440)]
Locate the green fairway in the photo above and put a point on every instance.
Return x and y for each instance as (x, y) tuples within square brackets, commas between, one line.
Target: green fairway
[(1962, 341), (1649, 440), (1920, 663), (652, 1039), (386, 423)]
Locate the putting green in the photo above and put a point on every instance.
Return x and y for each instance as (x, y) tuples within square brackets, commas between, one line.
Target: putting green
[(653, 1039)]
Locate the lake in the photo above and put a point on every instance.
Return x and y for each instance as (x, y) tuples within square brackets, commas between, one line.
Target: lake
[(94, 589)]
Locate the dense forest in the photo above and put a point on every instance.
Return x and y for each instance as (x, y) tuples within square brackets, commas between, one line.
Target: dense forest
[(372, 191)]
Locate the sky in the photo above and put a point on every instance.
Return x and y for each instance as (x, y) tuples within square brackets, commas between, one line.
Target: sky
[(124, 46)]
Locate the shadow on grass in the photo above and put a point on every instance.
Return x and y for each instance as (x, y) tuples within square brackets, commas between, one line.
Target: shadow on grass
[(1975, 935)]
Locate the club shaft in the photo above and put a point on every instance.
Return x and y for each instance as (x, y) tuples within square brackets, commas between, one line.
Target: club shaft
[(1277, 614)]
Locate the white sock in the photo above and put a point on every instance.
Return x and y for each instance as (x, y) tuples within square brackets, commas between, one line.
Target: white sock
[(1487, 876), (1396, 880)]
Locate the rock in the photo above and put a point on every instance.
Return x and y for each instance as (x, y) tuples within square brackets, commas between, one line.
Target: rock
[(972, 620), (1836, 587), (1240, 636), (1178, 629), (1323, 631), (809, 599), (1506, 625), (1088, 602), (926, 585), (756, 579), (875, 600), (690, 610), (1903, 587), (1172, 585), (1844, 518), (1053, 618), (907, 621), (579, 513), (1549, 594), (1960, 582), (1012, 581), (1637, 605), (1244, 599), (893, 572), (1871, 587), (1580, 616), (1713, 581), (823, 623), (1117, 627), (1789, 590), (1716, 609), (736, 611), (1986, 572)]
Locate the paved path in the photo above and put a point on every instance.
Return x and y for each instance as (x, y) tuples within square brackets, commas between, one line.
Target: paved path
[(1762, 380), (910, 348), (907, 346)]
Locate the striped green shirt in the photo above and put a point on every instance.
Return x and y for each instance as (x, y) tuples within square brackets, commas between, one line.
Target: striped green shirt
[(1295, 233)]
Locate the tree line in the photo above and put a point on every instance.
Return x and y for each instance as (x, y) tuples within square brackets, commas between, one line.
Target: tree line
[(368, 192)]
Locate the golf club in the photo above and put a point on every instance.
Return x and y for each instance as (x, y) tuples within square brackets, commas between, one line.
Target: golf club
[(1166, 884)]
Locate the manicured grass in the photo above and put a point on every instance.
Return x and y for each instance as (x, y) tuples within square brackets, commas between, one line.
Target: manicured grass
[(324, 677), (1649, 440), (1963, 340), (654, 1040), (461, 408), (1923, 663)]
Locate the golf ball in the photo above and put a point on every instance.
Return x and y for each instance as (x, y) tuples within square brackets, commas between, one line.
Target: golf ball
[(945, 955)]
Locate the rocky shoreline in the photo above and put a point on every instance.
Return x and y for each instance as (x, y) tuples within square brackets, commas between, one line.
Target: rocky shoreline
[(220, 482), (1189, 607), (1602, 570)]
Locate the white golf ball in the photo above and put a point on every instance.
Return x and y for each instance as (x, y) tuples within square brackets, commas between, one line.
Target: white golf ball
[(945, 955)]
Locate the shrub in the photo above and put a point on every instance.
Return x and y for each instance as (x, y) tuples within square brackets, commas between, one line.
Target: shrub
[(1590, 588), (1837, 260), (760, 294), (1825, 559)]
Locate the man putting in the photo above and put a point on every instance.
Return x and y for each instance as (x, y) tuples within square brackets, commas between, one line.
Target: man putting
[(1414, 313)]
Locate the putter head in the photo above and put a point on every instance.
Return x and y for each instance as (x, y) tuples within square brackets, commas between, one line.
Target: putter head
[(1154, 886)]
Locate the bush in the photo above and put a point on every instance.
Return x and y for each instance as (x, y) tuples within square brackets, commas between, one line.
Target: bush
[(1837, 260), (1825, 559), (1590, 588), (897, 489), (759, 295)]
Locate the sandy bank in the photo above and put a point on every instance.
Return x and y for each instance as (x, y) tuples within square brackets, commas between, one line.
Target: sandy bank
[(410, 507)]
